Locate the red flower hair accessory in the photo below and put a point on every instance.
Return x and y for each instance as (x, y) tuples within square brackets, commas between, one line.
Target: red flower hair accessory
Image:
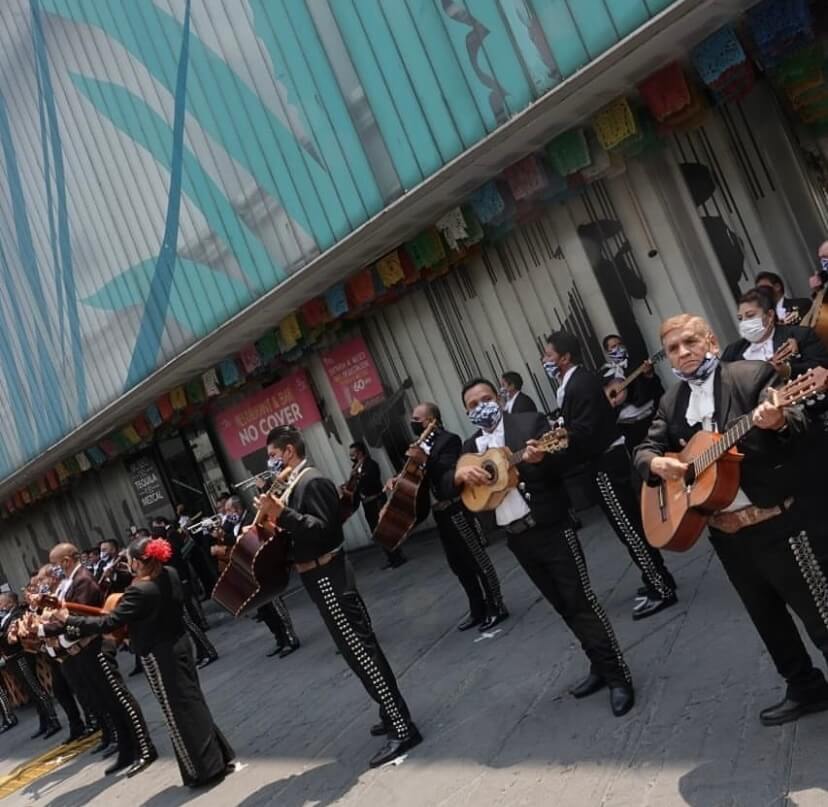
[(158, 549)]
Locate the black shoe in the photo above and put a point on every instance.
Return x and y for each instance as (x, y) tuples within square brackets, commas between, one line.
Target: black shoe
[(206, 661), (52, 729), (379, 730), (7, 725), (622, 699), (142, 764), (276, 651), (118, 765), (396, 748), (590, 685), (493, 619), (291, 648), (75, 733), (651, 605), (110, 751), (788, 710), (471, 621), (40, 732)]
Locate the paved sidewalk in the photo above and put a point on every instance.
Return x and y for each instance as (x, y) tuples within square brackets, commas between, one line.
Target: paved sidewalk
[(499, 726)]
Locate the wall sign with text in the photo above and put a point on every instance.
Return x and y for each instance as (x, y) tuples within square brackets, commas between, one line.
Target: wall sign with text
[(353, 375)]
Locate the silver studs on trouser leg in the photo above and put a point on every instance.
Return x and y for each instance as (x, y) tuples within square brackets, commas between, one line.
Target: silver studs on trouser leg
[(468, 527), (580, 563), (812, 572), (624, 527), (361, 656), (156, 683), (5, 705), (204, 647), (44, 703), (129, 705), (287, 621)]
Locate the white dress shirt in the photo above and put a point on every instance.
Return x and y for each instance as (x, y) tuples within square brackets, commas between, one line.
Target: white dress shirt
[(514, 506), (66, 583), (760, 351), (507, 407), (561, 392)]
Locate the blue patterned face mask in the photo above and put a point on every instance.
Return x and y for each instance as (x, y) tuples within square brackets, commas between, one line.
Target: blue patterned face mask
[(702, 372), (552, 370), (486, 415), (274, 464), (618, 354)]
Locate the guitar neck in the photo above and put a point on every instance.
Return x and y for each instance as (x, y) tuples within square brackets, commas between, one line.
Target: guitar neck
[(639, 370), (729, 439)]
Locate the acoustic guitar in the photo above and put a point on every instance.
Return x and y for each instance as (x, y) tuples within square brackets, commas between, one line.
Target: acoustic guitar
[(119, 635), (347, 493), (399, 514), (500, 464), (258, 567), (675, 512), (817, 316), (616, 390)]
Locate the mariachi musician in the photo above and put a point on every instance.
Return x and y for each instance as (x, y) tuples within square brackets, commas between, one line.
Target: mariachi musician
[(93, 673), (460, 533), (21, 663), (309, 517), (772, 539), (365, 485)]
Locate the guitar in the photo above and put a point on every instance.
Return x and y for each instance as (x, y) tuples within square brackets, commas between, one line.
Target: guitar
[(399, 515), (675, 512), (347, 492), (258, 567), (120, 635), (499, 464), (616, 390), (817, 316)]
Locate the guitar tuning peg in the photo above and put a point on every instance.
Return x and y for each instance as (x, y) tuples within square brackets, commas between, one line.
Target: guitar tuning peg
[(522, 487)]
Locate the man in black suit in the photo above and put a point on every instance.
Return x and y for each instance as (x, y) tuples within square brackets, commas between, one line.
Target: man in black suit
[(515, 400), (636, 405), (459, 530), (596, 441), (762, 337), (94, 676), (11, 609), (370, 494), (787, 308), (771, 540), (535, 516), (311, 519)]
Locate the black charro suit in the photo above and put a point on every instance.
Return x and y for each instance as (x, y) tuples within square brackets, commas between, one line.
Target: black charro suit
[(460, 533), (596, 440), (776, 564), (549, 550), (94, 677), (314, 527), (371, 494), (523, 403)]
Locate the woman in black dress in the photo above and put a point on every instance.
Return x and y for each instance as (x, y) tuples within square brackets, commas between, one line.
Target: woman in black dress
[(152, 608)]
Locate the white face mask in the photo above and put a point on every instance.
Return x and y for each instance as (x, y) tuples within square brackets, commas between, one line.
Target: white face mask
[(752, 329)]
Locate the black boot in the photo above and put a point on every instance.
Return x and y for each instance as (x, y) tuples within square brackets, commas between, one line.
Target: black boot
[(789, 710), (592, 683), (472, 620), (396, 747), (121, 763), (52, 728), (494, 617), (142, 763)]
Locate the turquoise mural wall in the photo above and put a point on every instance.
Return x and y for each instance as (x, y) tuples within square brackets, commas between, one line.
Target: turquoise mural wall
[(165, 162)]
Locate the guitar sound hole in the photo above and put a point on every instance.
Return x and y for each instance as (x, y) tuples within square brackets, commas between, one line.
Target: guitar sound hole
[(490, 469)]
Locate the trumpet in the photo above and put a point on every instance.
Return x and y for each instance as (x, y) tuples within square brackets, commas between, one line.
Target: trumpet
[(205, 524), (252, 481)]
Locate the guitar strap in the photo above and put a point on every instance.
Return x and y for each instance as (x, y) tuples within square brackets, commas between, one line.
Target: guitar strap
[(285, 497)]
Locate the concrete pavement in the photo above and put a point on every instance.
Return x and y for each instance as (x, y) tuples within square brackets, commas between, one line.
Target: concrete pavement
[(500, 728)]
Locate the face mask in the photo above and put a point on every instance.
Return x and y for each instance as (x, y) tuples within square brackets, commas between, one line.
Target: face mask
[(57, 572), (752, 329), (417, 427), (105, 556), (702, 372), (486, 415), (233, 518), (274, 464), (823, 262), (551, 369), (617, 354)]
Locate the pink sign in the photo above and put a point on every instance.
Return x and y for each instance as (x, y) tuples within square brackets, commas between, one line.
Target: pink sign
[(352, 373), (243, 428)]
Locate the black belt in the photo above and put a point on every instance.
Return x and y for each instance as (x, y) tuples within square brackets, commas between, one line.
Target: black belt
[(521, 525)]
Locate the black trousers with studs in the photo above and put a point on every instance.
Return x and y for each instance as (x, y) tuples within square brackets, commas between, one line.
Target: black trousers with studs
[(333, 589)]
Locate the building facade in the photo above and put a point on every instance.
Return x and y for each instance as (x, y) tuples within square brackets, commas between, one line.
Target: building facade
[(195, 192)]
